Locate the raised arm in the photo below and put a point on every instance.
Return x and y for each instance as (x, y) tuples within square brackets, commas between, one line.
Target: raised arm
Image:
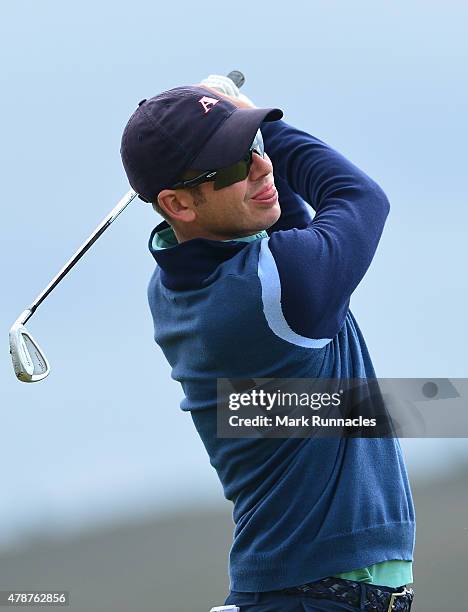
[(312, 271)]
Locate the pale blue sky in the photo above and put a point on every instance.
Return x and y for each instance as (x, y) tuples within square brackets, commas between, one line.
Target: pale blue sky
[(385, 83)]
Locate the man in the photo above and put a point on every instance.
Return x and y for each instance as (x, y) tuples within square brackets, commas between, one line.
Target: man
[(249, 285)]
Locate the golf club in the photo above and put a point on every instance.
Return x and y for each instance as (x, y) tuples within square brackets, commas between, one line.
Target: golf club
[(29, 361)]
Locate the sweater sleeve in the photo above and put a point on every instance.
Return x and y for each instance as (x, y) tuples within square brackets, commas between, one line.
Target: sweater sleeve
[(294, 211), (308, 273)]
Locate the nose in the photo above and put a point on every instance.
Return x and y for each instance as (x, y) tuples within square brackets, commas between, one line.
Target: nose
[(261, 166)]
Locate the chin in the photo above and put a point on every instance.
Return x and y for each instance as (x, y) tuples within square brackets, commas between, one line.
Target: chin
[(262, 220), (271, 216)]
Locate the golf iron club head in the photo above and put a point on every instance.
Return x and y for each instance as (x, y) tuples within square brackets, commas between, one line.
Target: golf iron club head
[(29, 362)]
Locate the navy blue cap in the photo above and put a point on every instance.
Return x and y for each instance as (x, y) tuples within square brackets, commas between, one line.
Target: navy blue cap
[(186, 128)]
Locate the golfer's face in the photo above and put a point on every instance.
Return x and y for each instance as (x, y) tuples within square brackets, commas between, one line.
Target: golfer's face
[(245, 207)]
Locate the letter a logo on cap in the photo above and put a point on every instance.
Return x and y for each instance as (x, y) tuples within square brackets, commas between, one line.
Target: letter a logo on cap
[(208, 103)]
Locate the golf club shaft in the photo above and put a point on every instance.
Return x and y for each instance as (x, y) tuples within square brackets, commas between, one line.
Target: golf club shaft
[(238, 79), (101, 228)]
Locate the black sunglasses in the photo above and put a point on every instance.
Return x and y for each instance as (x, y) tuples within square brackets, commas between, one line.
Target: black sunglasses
[(225, 176)]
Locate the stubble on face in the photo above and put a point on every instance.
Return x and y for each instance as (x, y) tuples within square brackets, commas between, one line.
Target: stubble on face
[(197, 195), (229, 213)]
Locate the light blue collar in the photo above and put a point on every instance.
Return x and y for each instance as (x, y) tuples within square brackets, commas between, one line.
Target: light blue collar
[(166, 238)]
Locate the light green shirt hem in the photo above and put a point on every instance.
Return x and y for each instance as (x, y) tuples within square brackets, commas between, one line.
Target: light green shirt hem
[(393, 574)]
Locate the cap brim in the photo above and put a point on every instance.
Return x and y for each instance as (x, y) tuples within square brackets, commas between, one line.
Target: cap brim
[(231, 141)]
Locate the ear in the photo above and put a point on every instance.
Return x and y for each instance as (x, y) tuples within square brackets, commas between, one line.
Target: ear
[(177, 204)]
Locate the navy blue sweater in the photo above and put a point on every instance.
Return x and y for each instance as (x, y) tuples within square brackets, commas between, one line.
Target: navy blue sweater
[(278, 307)]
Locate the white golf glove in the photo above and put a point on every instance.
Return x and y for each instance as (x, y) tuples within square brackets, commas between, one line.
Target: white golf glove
[(224, 85)]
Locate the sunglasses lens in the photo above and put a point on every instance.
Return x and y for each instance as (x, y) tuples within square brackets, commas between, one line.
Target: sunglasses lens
[(233, 174)]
